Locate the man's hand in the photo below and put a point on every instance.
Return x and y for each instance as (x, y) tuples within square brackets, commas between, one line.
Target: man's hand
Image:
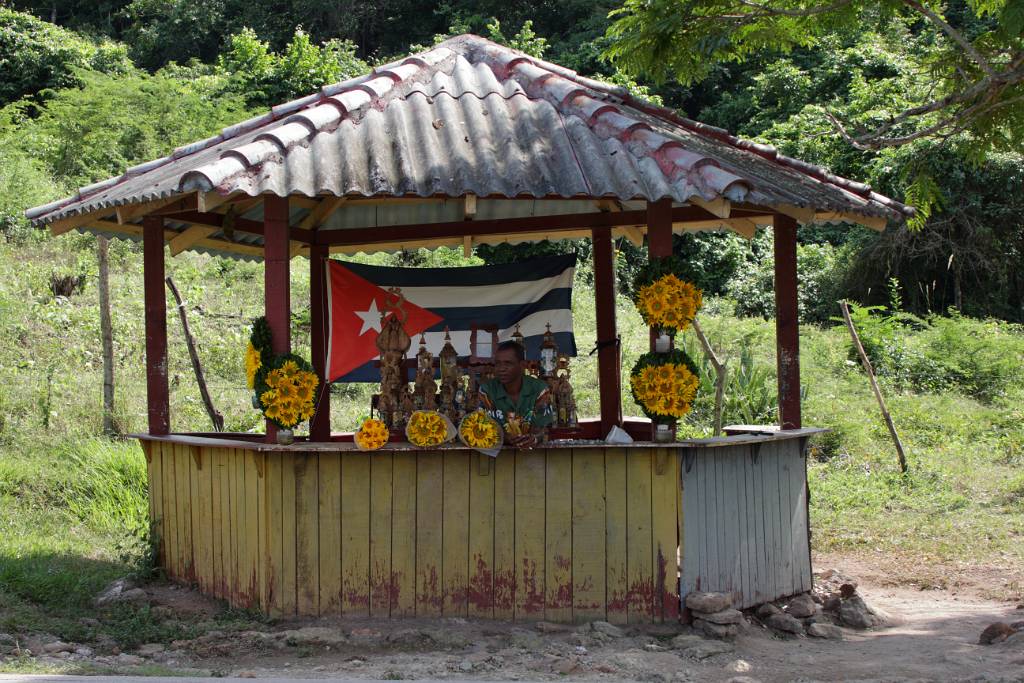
[(523, 441)]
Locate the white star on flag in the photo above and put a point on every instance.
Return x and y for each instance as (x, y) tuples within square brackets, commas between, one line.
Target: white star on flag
[(370, 318)]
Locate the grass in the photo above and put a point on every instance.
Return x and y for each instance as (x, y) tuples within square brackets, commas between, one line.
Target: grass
[(73, 505)]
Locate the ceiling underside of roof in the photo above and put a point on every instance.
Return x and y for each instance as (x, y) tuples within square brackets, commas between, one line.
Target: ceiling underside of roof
[(473, 119)]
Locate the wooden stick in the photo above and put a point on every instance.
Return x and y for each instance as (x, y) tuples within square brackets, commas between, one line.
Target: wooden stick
[(106, 334), (215, 417), (874, 386), (721, 372)]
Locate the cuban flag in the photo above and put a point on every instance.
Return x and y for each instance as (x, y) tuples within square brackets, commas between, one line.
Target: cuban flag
[(531, 293)]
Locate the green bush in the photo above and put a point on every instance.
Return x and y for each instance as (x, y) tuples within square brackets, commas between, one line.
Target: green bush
[(36, 55)]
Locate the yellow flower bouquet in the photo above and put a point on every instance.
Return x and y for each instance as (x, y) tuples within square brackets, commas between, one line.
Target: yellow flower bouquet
[(284, 386), (429, 428), (480, 431), (665, 384), (372, 435), (664, 299)]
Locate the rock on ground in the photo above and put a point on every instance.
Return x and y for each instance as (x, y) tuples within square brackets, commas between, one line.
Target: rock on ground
[(708, 602), (827, 631), (802, 606), (856, 613), (766, 610), (726, 616), (120, 590), (993, 633), (784, 622), (716, 630)]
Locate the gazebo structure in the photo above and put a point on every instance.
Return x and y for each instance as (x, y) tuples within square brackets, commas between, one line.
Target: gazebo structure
[(471, 143)]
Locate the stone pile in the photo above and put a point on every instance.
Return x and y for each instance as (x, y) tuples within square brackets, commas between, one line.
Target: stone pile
[(713, 614)]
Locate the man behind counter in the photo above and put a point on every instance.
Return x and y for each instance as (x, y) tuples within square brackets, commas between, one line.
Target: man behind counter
[(514, 394)]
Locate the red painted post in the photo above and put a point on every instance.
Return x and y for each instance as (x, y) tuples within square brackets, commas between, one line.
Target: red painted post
[(659, 236), (276, 278), (608, 370), (157, 397), (320, 425), (787, 324)]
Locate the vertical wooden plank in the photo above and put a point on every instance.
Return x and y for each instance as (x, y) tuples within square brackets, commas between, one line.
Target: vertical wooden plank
[(639, 536), (241, 535), (212, 463), (403, 534), (693, 530), (665, 543), (206, 519), (681, 524), (767, 524), (558, 536), (505, 570), (790, 496), (289, 591), (195, 519), (355, 534), (429, 523), (170, 511), (183, 481), (251, 510), (787, 323), (608, 358), (320, 424), (771, 499), (588, 535), (798, 483), (155, 305), (225, 528), (758, 528), (382, 580), (259, 460), (156, 498), (529, 553), (616, 522), (730, 515), (330, 523), (455, 534), (712, 520), (275, 533), (276, 280), (307, 534), (480, 595), (747, 543)]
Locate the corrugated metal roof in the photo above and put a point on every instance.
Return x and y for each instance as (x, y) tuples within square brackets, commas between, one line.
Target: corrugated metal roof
[(472, 117)]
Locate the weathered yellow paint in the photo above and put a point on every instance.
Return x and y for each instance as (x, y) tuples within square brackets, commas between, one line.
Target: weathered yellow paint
[(558, 538), (617, 579), (355, 534), (529, 535), (307, 537), (559, 535), (288, 560), (504, 468), (455, 534), (480, 593), (403, 535), (182, 458), (429, 524), (330, 533), (640, 569), (588, 535), (665, 538), (275, 534), (381, 578), (156, 498)]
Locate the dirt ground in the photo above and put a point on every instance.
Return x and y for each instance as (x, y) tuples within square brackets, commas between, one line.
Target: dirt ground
[(934, 637)]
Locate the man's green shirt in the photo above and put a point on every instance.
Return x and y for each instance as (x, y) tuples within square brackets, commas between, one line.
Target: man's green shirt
[(499, 404)]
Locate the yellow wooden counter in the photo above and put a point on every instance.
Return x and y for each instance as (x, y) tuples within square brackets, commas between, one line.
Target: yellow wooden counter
[(571, 532)]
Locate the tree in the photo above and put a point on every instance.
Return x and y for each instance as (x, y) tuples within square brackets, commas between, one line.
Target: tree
[(971, 65)]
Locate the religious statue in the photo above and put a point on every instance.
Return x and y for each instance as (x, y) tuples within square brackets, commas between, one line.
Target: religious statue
[(452, 393), (562, 395), (426, 388), (393, 344)]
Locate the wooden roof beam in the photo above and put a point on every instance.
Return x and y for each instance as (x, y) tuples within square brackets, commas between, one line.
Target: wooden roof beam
[(319, 214)]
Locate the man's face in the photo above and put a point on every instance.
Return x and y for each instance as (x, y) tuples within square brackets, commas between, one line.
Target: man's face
[(507, 367)]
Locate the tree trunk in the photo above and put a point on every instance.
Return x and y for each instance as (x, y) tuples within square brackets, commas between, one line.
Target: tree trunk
[(216, 418), (107, 335)]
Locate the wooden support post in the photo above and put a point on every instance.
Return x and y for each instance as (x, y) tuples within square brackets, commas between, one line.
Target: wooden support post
[(787, 323), (320, 425), (659, 244), (608, 370), (276, 279), (157, 397)]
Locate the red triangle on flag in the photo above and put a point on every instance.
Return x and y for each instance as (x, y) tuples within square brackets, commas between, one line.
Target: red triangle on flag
[(355, 308)]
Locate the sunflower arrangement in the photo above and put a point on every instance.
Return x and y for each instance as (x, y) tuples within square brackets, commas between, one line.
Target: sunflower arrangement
[(665, 300), (284, 385), (479, 430), (664, 384), (428, 428), (372, 435)]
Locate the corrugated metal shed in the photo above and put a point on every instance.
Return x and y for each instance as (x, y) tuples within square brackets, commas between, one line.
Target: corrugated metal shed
[(470, 117)]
